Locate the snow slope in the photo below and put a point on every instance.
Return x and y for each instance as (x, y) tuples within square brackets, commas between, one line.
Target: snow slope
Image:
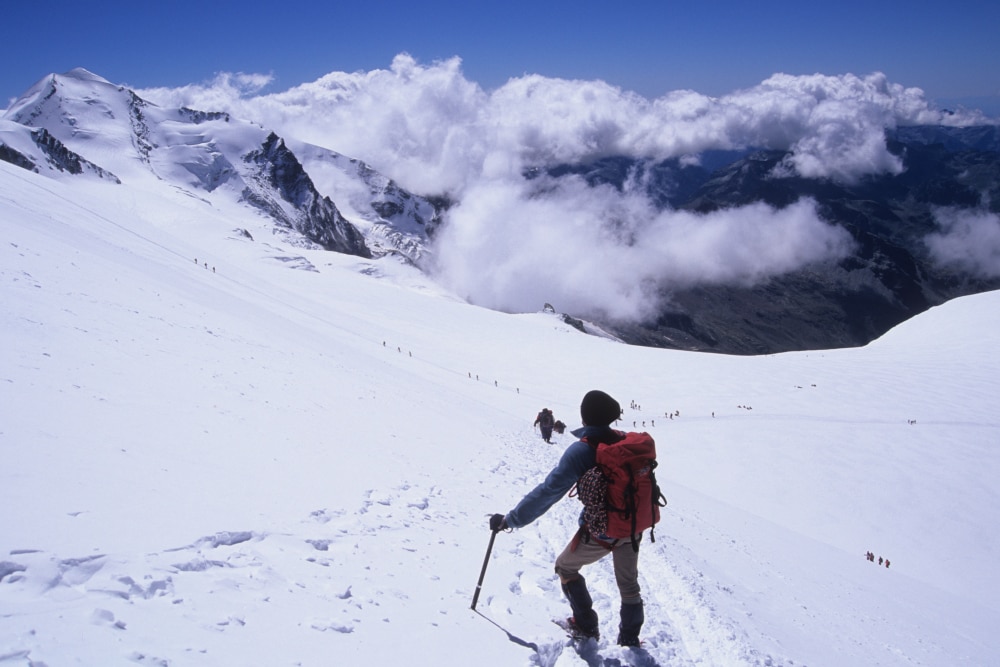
[(230, 450)]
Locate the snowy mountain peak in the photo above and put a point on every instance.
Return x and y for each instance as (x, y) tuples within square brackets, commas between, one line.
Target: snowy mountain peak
[(276, 183), (217, 159), (82, 74)]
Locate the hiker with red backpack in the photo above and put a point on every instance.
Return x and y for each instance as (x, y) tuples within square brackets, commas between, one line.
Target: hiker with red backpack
[(621, 466)]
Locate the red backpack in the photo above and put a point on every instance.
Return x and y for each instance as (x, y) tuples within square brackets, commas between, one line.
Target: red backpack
[(620, 495)]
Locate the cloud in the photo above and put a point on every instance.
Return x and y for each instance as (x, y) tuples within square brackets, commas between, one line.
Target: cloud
[(434, 131), (602, 253), (513, 244), (969, 241), (227, 91), (421, 125)]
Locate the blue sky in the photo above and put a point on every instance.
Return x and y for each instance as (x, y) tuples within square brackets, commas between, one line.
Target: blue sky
[(949, 49)]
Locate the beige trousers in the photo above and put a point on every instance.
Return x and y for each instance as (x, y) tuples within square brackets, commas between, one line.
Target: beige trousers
[(580, 552)]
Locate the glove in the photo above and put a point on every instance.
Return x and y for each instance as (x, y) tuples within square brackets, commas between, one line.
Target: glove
[(498, 522)]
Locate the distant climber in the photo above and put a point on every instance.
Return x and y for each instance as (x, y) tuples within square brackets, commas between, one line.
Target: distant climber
[(545, 421)]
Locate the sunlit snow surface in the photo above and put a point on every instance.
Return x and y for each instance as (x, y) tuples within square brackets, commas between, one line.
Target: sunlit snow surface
[(221, 449)]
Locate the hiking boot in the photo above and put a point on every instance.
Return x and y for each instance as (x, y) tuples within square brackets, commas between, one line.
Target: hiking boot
[(579, 633), (584, 616), (632, 619)]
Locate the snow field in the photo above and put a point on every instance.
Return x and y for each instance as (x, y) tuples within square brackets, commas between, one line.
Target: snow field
[(291, 460)]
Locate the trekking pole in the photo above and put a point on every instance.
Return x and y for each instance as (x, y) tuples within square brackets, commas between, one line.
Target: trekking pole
[(482, 575)]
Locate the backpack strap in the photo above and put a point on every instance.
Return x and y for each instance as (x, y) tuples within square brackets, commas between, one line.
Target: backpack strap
[(630, 508), (655, 499)]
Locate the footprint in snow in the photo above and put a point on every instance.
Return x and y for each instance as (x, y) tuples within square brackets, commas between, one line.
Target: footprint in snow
[(76, 571), (331, 626), (105, 617), (8, 568)]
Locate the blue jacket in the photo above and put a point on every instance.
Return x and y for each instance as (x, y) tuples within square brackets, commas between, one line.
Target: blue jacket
[(576, 460)]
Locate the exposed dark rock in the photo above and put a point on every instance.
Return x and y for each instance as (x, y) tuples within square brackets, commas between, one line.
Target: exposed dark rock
[(16, 158), (56, 154), (315, 217), (575, 323)]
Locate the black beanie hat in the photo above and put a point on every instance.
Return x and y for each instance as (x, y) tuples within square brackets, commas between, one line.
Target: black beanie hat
[(599, 409)]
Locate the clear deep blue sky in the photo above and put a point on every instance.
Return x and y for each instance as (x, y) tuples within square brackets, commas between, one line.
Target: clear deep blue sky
[(950, 49)]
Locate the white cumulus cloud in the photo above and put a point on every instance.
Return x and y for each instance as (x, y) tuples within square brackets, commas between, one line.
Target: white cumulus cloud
[(433, 130), (514, 244), (602, 253), (968, 241)]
